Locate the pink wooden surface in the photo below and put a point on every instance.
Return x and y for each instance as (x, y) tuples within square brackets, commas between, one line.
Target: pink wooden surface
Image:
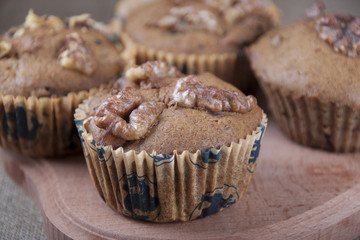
[(297, 193)]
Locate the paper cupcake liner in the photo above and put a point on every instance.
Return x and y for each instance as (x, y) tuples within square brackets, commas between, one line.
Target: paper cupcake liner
[(166, 188), (312, 123), (231, 67), (41, 127)]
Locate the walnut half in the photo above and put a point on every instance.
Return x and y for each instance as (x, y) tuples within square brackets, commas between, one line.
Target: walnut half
[(77, 55), (126, 103), (342, 32), (189, 92)]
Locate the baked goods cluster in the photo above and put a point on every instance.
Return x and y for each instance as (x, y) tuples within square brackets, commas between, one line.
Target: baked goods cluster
[(197, 36), (156, 99)]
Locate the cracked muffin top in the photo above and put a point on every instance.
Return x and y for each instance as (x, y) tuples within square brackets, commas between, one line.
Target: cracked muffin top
[(317, 58), (159, 109), (200, 27), (48, 56)]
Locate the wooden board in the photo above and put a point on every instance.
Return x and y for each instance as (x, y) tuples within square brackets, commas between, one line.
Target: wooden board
[(297, 193)]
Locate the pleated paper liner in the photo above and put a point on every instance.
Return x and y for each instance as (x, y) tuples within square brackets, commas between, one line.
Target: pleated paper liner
[(40, 127), (166, 188), (231, 67), (312, 123)]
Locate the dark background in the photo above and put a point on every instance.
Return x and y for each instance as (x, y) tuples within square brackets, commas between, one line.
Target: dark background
[(13, 12)]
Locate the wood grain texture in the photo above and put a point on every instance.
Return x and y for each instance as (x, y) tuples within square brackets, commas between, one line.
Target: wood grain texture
[(297, 193)]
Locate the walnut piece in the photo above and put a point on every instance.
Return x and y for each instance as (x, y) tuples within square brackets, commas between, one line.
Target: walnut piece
[(85, 22), (5, 48), (342, 32), (189, 92), (136, 74), (234, 10), (19, 32), (124, 82), (181, 19), (314, 11), (34, 21), (112, 113), (79, 21), (77, 55), (150, 72)]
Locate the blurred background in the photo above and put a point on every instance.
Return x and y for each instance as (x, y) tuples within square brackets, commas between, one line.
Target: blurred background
[(19, 217), (13, 12)]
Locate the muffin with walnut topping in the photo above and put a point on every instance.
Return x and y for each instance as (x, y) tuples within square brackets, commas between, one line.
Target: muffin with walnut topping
[(168, 147), (197, 36), (48, 66), (310, 74)]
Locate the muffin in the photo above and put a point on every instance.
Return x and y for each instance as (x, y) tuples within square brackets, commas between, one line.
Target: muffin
[(197, 36), (167, 147), (310, 75), (49, 66)]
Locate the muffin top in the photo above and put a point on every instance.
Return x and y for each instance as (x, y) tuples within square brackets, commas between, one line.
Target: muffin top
[(47, 56), (158, 109), (318, 58), (200, 27)]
